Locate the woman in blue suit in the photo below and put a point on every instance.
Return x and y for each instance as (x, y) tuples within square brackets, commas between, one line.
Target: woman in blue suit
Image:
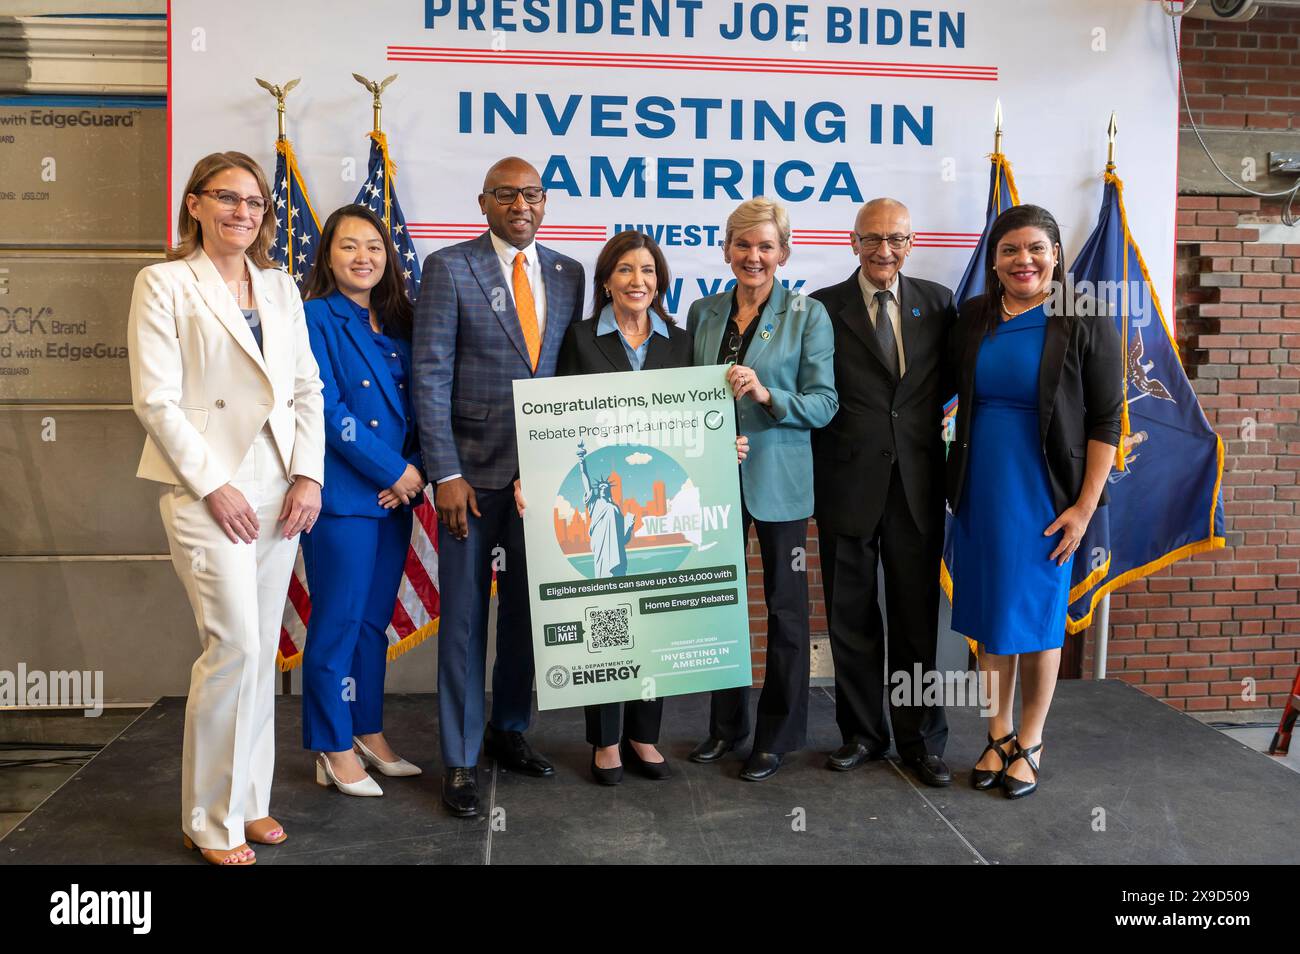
[(780, 349), (359, 321)]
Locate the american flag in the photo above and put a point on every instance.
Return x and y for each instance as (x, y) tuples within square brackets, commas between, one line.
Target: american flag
[(415, 614), (297, 232), (379, 194)]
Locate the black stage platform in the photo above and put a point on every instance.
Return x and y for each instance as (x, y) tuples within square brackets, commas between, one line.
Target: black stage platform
[(1171, 789)]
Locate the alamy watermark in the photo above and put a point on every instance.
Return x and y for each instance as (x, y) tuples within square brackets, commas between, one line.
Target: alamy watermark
[(74, 689), (1088, 299), (949, 688)]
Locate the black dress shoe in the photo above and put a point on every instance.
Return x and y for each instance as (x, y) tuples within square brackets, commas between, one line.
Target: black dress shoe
[(1013, 787), (931, 769), (460, 791), (605, 776), (852, 754), (710, 750), (512, 751), (761, 765), (651, 770)]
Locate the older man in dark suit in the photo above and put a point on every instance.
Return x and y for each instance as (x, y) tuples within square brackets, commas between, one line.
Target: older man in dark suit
[(878, 478), (491, 310)]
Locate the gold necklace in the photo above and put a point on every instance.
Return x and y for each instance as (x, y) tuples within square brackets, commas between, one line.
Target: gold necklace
[(1017, 314), (631, 335)]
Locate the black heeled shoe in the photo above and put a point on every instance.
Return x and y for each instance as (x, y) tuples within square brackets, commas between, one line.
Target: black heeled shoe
[(609, 776), (651, 770), (984, 779), (1013, 787)]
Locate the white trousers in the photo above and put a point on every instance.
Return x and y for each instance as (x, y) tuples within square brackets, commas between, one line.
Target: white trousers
[(237, 591)]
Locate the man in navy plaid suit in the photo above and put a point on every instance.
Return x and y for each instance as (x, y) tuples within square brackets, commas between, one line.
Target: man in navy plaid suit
[(490, 311)]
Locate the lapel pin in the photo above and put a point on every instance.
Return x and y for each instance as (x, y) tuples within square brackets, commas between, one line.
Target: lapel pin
[(916, 312), (558, 267), (766, 334)]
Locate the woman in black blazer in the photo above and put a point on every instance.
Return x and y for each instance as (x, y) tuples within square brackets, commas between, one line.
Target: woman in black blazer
[(1040, 392), (629, 330)]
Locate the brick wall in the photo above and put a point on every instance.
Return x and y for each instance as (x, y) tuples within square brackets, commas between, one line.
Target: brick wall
[(1244, 75), (758, 608), (1192, 633)]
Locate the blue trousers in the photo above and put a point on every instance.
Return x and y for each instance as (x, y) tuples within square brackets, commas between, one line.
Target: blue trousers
[(464, 589), (354, 567)]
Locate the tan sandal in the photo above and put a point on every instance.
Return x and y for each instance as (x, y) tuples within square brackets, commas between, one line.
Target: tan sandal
[(265, 831), (224, 857)]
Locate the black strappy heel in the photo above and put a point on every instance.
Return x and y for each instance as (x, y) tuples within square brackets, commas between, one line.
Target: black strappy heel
[(984, 779), (1013, 787)]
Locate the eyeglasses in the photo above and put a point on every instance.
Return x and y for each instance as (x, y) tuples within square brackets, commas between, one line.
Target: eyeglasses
[(734, 343), (230, 200), (506, 195), (897, 241)]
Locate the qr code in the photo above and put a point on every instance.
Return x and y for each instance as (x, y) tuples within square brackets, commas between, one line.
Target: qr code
[(609, 628)]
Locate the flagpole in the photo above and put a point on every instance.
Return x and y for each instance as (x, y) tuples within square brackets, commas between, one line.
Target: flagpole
[(1103, 608), (282, 137), (376, 90), (997, 128)]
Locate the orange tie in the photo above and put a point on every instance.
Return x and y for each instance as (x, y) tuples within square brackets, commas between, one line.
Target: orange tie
[(527, 310)]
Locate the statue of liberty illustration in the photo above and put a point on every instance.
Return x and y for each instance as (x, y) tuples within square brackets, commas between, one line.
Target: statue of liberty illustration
[(609, 528)]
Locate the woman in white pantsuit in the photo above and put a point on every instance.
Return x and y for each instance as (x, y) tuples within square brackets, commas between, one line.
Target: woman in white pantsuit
[(224, 382)]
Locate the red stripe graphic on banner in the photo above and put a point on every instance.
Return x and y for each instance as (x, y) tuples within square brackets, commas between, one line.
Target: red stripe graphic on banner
[(480, 226), (832, 237), (574, 233), (733, 64)]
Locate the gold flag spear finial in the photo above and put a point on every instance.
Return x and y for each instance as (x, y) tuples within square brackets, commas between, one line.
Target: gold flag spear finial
[(1110, 140), (377, 89), (997, 127), (279, 92)]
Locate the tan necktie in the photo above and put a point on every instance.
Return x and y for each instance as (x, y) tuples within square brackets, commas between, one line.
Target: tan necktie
[(527, 310)]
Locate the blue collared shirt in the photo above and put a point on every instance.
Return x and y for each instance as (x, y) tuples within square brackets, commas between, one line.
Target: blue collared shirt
[(606, 324), (389, 351)]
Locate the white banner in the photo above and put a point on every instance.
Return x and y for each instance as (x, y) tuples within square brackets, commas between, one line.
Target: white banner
[(662, 115)]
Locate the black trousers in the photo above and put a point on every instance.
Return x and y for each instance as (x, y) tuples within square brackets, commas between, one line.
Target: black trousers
[(640, 720), (859, 640), (782, 723)]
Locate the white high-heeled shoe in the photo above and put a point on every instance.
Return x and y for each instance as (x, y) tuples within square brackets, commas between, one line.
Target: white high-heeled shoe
[(325, 776), (400, 767)]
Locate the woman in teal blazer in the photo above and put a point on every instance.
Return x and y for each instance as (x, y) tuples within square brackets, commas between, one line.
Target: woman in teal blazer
[(780, 352)]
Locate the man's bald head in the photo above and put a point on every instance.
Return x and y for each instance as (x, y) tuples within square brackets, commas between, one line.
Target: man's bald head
[(883, 208), (515, 221), (878, 221), (508, 167)]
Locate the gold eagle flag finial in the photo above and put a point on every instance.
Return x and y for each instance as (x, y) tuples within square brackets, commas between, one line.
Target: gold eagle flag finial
[(377, 90), (279, 92)]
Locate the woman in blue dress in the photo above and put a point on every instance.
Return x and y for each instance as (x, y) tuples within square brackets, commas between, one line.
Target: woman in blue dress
[(1038, 421), (359, 322)]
